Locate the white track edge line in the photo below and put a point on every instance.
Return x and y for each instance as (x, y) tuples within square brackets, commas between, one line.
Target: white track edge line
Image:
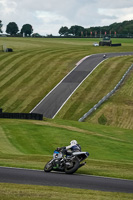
[(79, 62), (61, 81), (77, 88), (81, 82)]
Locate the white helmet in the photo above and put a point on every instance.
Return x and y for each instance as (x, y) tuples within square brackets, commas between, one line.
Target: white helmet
[(73, 142)]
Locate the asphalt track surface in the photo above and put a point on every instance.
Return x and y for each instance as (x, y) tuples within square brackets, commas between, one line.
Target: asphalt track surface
[(50, 105), (34, 177)]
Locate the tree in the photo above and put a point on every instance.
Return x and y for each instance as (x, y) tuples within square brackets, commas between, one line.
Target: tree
[(36, 35), (12, 28), (1, 26), (64, 31), (124, 28), (77, 30), (27, 29)]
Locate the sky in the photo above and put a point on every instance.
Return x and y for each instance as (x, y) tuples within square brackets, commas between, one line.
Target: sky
[(48, 16)]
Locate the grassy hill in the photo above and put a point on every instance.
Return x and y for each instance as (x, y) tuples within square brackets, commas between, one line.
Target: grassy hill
[(27, 75), (37, 65), (30, 144), (118, 109)]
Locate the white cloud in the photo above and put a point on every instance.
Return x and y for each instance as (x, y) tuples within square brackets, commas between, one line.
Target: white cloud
[(47, 16), (118, 14), (8, 7), (52, 22)]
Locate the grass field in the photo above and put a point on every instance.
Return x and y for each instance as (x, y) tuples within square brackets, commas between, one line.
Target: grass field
[(24, 192), (30, 144), (27, 75), (100, 83), (118, 111), (38, 64)]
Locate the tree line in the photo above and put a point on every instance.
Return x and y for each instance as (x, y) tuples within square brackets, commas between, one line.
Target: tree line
[(12, 29), (122, 29)]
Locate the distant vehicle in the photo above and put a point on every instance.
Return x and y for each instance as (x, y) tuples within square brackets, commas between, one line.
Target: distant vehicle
[(95, 44), (106, 41)]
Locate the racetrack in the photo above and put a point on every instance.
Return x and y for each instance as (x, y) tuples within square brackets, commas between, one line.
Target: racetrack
[(35, 177), (50, 105)]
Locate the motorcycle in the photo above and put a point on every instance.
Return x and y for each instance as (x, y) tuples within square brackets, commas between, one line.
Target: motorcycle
[(69, 163), (104, 56)]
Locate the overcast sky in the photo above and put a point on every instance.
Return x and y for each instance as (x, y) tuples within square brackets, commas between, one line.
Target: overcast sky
[(48, 16)]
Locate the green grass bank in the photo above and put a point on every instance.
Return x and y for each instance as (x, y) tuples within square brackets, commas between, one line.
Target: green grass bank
[(30, 144), (27, 75), (38, 64), (24, 192)]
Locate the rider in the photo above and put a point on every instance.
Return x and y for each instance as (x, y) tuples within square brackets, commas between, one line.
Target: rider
[(74, 147), (104, 56)]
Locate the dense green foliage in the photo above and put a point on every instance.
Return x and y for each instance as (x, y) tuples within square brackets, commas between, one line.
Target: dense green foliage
[(123, 29), (64, 31), (27, 29), (12, 28)]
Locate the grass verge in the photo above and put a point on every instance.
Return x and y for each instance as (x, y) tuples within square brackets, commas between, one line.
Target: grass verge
[(99, 84), (24, 192), (30, 144), (38, 64)]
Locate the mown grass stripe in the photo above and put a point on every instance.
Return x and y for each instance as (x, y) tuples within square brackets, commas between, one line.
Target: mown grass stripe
[(11, 64), (7, 64), (82, 47), (44, 90), (118, 109), (18, 68), (26, 72), (23, 61), (34, 82), (27, 65), (97, 86), (10, 73)]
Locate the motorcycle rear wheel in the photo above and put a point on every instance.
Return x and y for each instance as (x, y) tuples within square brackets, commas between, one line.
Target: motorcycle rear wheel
[(73, 169), (48, 167)]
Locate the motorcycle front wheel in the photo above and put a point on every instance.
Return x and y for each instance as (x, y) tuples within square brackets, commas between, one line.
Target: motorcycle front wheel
[(48, 167), (75, 166)]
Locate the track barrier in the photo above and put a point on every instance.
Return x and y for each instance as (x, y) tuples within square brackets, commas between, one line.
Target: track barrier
[(34, 116), (105, 97)]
